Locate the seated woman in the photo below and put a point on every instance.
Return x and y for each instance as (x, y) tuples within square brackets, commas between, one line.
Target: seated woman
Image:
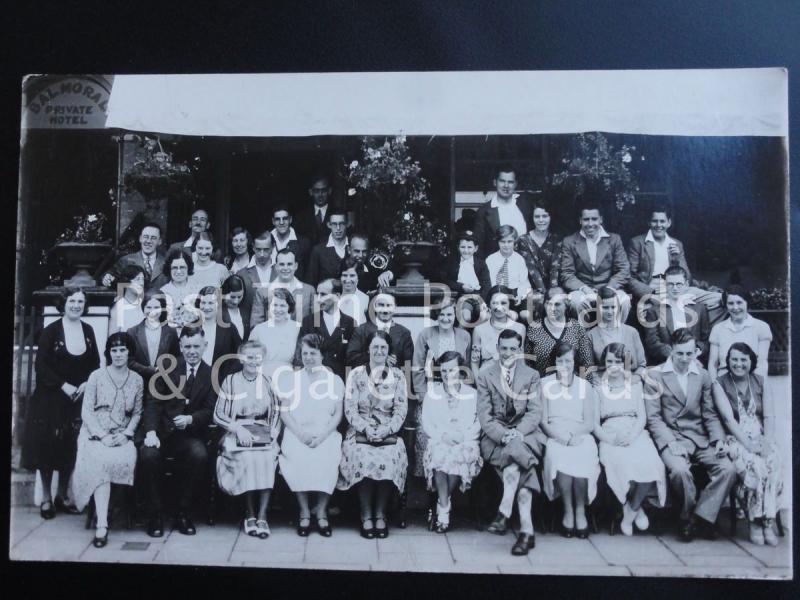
[(178, 268), (570, 458), (543, 336), (112, 409), (66, 356), (152, 338), (740, 326), (485, 335), (452, 456), (634, 470), (127, 309), (249, 449), (278, 334), (233, 290), (206, 270), (373, 454), (241, 250), (746, 407), (432, 342), (311, 409), (611, 330)]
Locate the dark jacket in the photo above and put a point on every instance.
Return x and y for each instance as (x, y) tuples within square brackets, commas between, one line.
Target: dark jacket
[(449, 275), (334, 344), (140, 361), (301, 248), (660, 327), (323, 263), (358, 350), (487, 220)]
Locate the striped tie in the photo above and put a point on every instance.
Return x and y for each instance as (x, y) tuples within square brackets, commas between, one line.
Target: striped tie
[(502, 275)]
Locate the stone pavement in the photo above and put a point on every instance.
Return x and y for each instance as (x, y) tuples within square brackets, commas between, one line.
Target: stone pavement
[(464, 549)]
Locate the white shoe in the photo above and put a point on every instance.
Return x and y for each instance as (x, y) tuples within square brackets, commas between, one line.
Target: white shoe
[(641, 520), (626, 524)]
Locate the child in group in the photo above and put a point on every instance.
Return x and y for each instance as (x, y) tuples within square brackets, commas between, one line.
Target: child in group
[(466, 273), (507, 268)]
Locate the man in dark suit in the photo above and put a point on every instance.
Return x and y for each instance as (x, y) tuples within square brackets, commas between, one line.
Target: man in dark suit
[(198, 223), (284, 236), (326, 257), (370, 277), (384, 308), (651, 254), (258, 274), (503, 207), (310, 221), (591, 259), (677, 311), (510, 410), (175, 423), (333, 326), (148, 257), (686, 429)]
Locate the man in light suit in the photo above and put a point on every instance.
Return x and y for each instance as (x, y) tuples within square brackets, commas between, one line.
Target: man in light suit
[(591, 259), (504, 207), (651, 254), (510, 410), (148, 257), (686, 429)]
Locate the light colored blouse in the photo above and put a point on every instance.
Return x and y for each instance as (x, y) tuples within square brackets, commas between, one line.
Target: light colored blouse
[(444, 412), (111, 408), (566, 403)]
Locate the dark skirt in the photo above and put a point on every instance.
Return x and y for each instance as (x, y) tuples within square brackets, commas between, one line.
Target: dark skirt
[(52, 425)]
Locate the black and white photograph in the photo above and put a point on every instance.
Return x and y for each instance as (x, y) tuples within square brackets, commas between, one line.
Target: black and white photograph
[(505, 322)]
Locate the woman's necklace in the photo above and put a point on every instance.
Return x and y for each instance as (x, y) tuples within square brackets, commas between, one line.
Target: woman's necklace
[(246, 378)]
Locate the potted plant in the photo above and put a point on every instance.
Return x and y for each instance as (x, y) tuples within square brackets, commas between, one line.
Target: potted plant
[(397, 208), (81, 249), (771, 305)]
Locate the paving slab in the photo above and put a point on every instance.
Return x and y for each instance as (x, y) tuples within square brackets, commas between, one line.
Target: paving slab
[(416, 562), (434, 544), (634, 550), (558, 551), (363, 551)]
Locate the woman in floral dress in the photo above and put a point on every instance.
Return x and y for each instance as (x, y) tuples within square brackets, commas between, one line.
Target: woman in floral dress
[(746, 407), (373, 454)]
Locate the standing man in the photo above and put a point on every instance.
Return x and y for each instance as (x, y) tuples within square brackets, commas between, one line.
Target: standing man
[(311, 220), (686, 429), (148, 257), (198, 223), (286, 267), (327, 256), (258, 273), (333, 326), (504, 207), (591, 259), (369, 278), (175, 423), (284, 236), (651, 254), (510, 410)]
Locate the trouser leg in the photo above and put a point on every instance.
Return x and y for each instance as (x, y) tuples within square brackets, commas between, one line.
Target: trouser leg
[(510, 476), (723, 475), (680, 481), (191, 455), (149, 467)]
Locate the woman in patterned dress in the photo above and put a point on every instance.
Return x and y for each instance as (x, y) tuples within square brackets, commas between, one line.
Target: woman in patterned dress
[(432, 343), (373, 454), (543, 336), (746, 407), (249, 449), (311, 450), (112, 409), (449, 417), (181, 289), (541, 250)]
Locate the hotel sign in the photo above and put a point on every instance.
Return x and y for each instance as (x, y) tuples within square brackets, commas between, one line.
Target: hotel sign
[(63, 102)]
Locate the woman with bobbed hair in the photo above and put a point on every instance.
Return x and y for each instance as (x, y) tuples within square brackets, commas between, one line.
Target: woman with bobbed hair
[(485, 335), (181, 289), (233, 291), (746, 407), (66, 356), (311, 450), (241, 250), (112, 409), (126, 310), (206, 270), (152, 337)]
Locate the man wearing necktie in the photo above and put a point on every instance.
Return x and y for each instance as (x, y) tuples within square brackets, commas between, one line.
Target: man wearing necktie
[(510, 410), (175, 423), (148, 258)]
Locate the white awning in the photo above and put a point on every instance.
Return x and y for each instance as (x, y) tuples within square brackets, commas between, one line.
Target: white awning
[(726, 102)]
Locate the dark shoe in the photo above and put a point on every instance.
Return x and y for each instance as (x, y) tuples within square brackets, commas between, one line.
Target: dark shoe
[(49, 512), (567, 532), (304, 530), (324, 530), (381, 532), (708, 531), (525, 542), (687, 531), (582, 534), (499, 526), (63, 507), (367, 532), (155, 527), (100, 541), (185, 525)]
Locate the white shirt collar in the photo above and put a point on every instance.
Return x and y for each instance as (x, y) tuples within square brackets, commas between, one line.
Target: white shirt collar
[(603, 234), (320, 209), (188, 242), (748, 322), (684, 300), (384, 326), (469, 259), (292, 235), (494, 202), (332, 244), (294, 284), (649, 238), (668, 367)]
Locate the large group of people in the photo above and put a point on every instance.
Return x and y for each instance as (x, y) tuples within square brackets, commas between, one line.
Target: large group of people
[(288, 347)]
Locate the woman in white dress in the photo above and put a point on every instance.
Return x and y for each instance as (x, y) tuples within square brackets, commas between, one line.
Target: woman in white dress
[(181, 291), (634, 470), (278, 333), (126, 311), (485, 335), (112, 409), (570, 459), (206, 270), (311, 402), (449, 418), (248, 456)]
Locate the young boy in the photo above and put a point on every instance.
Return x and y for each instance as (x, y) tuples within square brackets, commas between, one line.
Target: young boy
[(506, 267), (466, 273)]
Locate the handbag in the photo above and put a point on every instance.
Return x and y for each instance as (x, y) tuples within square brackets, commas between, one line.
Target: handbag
[(262, 436), (361, 438)]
